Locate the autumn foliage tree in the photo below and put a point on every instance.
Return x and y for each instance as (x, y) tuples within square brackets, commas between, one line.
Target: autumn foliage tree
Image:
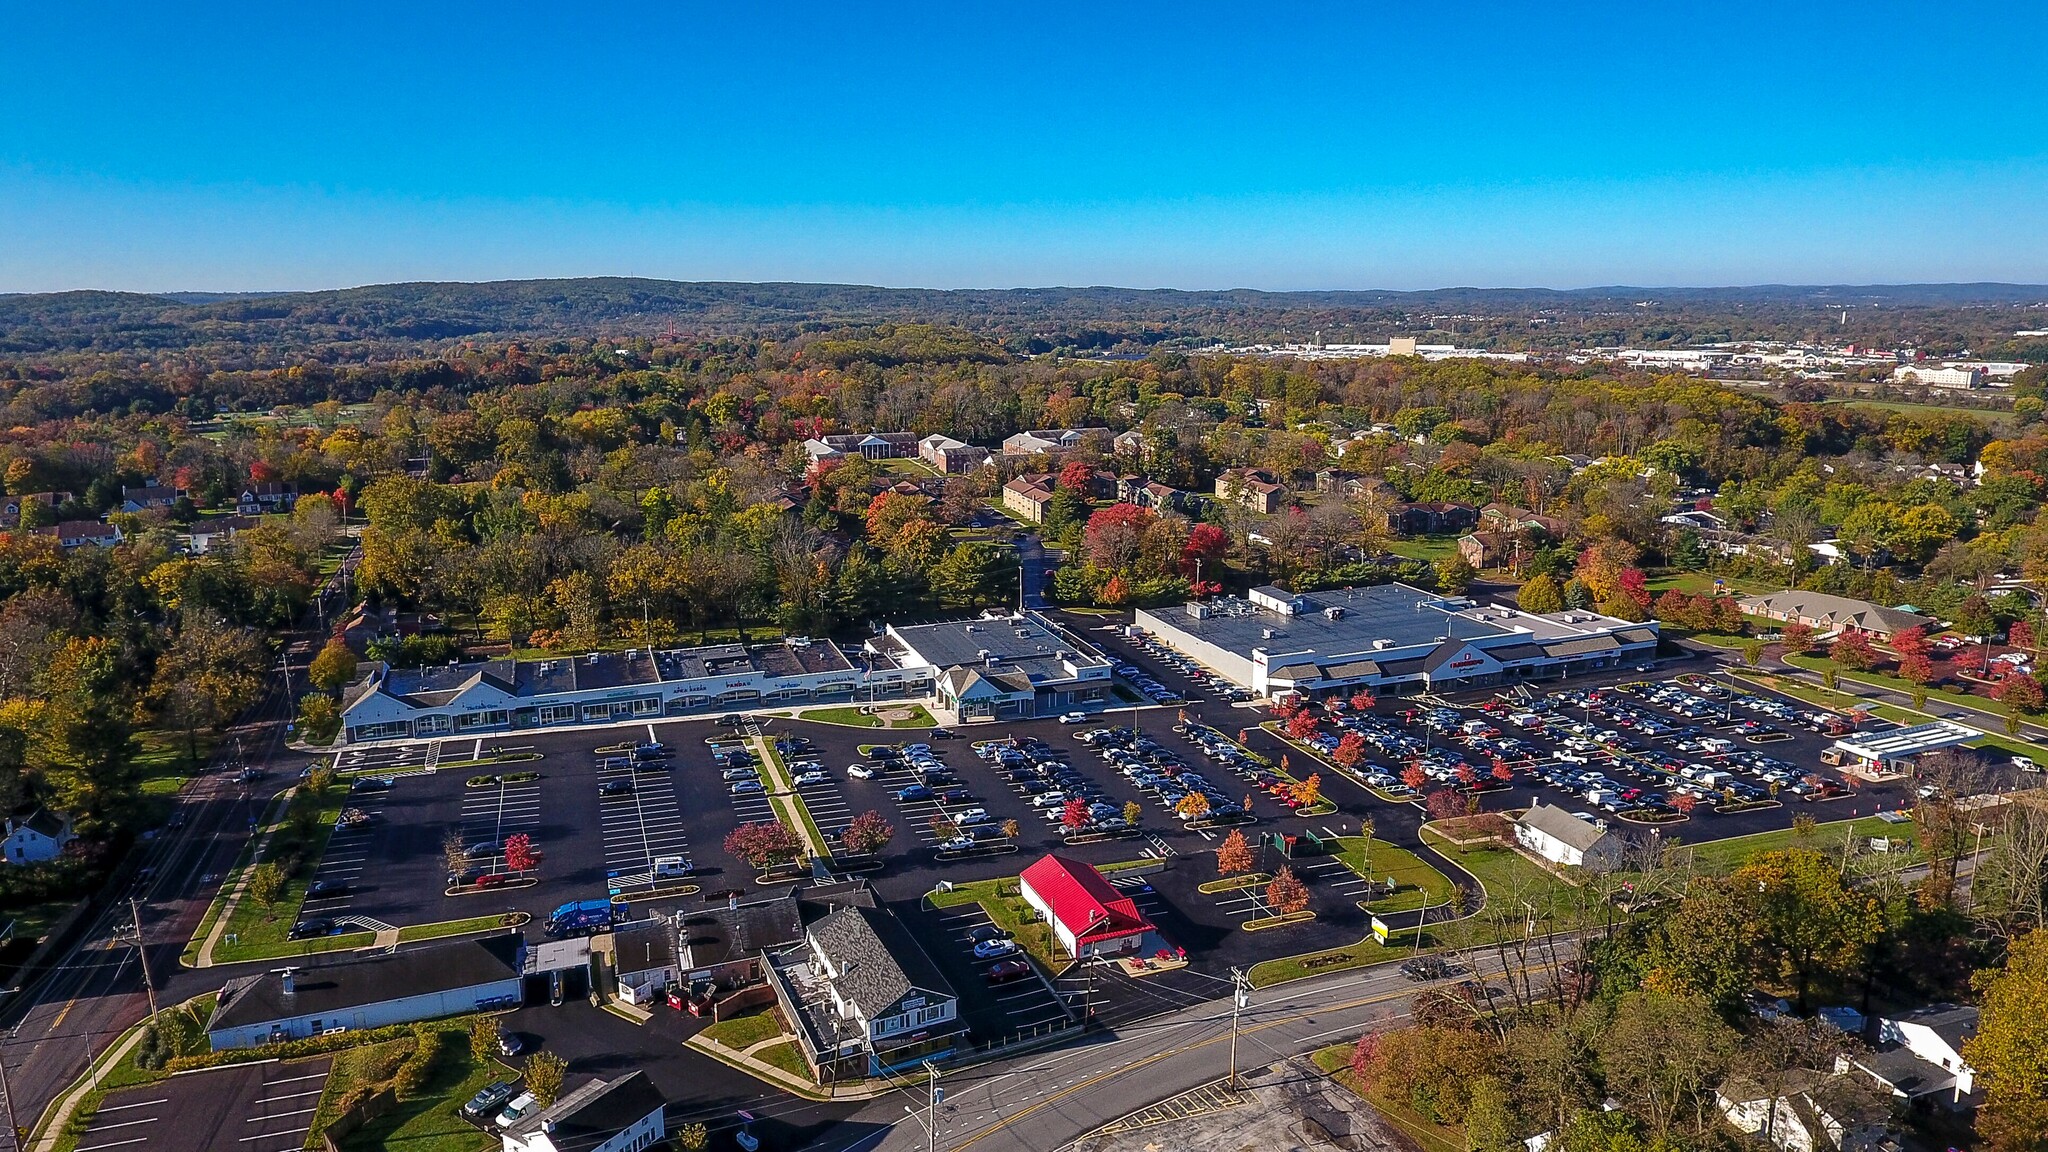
[(1414, 777), (1798, 638), (1310, 791), (1350, 750), (867, 833), (1446, 804), (1916, 668), (1852, 651), (1192, 806), (1074, 816), (2020, 692), (1207, 544), (2006, 1050), (1363, 700), (1301, 725), (762, 844), (1286, 895), (519, 853), (1115, 536), (1234, 855)]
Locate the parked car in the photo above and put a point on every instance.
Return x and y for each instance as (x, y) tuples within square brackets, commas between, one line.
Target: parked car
[(994, 949), (320, 888), (1073, 717), (615, 788), (370, 784), (860, 771), (1005, 971), (747, 787), (481, 849), (491, 1099), (914, 792), (989, 932), (311, 927)]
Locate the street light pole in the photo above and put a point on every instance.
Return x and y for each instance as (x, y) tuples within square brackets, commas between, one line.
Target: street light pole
[(141, 955), (1241, 991), (937, 1094)]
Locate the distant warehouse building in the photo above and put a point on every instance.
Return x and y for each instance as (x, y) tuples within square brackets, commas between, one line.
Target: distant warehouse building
[(497, 695), (1391, 638), (351, 995)]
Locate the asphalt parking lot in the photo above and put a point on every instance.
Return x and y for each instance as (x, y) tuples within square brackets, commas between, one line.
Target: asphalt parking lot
[(245, 1107)]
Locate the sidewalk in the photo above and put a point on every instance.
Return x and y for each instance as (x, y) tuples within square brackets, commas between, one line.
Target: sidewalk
[(762, 1070), (234, 897)]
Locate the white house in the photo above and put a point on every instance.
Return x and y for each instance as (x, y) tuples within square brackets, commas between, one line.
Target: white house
[(36, 836), (863, 994), (644, 956), (1923, 1054), (1814, 1112), (622, 1115), (1562, 838)]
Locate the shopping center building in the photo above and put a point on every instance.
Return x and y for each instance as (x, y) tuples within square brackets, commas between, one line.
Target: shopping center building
[(1391, 638)]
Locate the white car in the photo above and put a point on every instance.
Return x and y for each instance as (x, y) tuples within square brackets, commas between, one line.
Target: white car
[(994, 949), (1073, 717), (2025, 764), (806, 779), (1049, 800), (860, 771)]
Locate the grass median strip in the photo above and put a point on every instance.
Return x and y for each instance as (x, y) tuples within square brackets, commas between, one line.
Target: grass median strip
[(1412, 877)]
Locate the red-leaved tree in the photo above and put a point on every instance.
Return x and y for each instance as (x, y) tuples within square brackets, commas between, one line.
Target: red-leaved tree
[(1798, 638), (1286, 895), (1350, 750), (1446, 804), (1852, 650), (1208, 544), (1414, 777), (1301, 725), (2020, 691), (1075, 814), (519, 853), (762, 844), (1363, 700), (867, 833)]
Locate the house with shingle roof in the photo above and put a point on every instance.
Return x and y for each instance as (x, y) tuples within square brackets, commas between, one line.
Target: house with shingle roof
[(35, 835), (1562, 838), (1829, 613), (863, 994)]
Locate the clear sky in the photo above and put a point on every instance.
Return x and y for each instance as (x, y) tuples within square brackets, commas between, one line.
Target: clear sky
[(224, 146)]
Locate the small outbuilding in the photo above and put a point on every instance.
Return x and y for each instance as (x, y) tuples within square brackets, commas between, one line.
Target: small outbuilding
[(1562, 838)]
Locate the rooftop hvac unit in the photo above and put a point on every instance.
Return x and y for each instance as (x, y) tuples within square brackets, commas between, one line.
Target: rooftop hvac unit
[(1334, 613), (1198, 610), (1382, 644), (1265, 633)]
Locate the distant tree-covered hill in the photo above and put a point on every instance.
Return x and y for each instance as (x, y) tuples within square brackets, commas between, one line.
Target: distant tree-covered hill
[(403, 319)]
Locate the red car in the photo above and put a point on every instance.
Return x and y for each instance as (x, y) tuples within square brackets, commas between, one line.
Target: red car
[(1004, 971)]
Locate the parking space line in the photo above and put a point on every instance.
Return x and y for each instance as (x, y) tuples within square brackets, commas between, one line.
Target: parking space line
[(111, 1144), (122, 1124), (137, 1104)]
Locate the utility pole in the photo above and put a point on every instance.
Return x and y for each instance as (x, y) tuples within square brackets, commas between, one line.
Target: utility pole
[(931, 1128), (6, 1092), (1241, 993), (142, 955)]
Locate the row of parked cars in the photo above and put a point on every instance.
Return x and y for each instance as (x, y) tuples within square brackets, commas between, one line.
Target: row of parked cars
[(1048, 782), (1196, 674), (1158, 771)]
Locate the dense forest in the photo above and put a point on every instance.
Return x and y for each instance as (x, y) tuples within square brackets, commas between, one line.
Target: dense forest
[(401, 319)]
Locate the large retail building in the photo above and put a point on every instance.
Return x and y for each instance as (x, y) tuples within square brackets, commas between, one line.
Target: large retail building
[(996, 667), (1391, 638)]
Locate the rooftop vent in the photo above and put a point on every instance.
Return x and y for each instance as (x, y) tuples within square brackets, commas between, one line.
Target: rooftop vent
[(1334, 613)]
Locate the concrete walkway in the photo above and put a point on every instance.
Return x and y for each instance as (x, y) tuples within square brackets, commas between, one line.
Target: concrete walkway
[(762, 1070), (227, 912)]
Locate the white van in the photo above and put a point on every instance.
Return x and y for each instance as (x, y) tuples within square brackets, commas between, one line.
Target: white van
[(671, 867)]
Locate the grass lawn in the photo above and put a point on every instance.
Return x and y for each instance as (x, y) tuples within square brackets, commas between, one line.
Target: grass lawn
[(1366, 952), (165, 762), (1413, 878), (258, 931), (1426, 548), (365, 1064), (432, 1121), (853, 717), (1335, 1062), (786, 1057), (741, 1032), (1727, 855), (1702, 583), (445, 928), (1509, 876)]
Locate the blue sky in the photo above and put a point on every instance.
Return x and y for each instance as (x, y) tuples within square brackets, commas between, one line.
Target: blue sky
[(227, 146)]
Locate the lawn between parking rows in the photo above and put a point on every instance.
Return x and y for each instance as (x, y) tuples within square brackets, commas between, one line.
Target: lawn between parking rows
[(784, 800)]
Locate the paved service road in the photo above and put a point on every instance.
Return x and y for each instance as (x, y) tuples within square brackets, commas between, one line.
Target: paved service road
[(1047, 1099)]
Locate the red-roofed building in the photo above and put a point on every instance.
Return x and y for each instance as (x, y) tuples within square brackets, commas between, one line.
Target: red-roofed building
[(1089, 915)]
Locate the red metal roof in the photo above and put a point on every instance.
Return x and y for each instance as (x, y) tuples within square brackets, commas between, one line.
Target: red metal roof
[(1088, 906)]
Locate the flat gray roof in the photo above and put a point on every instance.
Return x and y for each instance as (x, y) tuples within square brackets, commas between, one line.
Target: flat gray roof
[(1908, 741), (1404, 616), (1027, 643)]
